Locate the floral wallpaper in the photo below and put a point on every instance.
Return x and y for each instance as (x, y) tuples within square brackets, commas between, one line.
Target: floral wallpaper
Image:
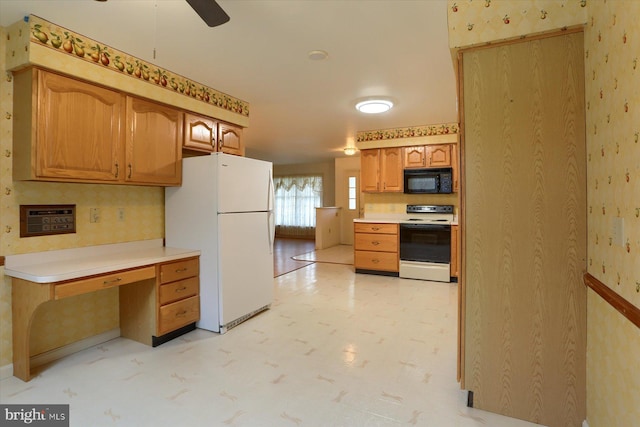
[(64, 41), (612, 51), (612, 86), (60, 323), (407, 132), (473, 22)]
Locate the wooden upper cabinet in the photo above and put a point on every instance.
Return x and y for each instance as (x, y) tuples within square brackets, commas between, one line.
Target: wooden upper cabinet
[(200, 133), (230, 139), (414, 157), (153, 143), (65, 129), (381, 170), (455, 168), (391, 170), (370, 170), (438, 155)]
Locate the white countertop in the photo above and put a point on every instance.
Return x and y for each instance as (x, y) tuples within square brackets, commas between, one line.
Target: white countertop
[(391, 218), (66, 264)]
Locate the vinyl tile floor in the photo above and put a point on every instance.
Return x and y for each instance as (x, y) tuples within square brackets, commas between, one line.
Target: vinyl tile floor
[(335, 349)]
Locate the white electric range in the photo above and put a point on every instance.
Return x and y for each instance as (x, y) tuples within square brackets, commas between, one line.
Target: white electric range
[(425, 243)]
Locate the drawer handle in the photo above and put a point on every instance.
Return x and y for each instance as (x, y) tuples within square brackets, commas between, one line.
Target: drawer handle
[(181, 270), (375, 260), (375, 228), (182, 313), (375, 243), (184, 288), (109, 282)]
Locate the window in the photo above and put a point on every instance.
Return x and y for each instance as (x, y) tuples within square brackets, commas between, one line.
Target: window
[(353, 194), (296, 200)]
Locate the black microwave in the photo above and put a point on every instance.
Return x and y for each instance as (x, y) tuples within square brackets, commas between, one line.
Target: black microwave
[(425, 181)]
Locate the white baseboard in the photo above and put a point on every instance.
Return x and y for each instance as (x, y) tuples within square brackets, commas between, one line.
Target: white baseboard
[(74, 347), (58, 353)]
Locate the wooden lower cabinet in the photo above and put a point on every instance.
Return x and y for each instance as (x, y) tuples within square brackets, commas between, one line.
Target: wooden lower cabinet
[(178, 296), (376, 248), (455, 251), (163, 307)]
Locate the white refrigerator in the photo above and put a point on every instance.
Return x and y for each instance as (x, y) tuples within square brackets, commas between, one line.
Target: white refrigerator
[(224, 208)]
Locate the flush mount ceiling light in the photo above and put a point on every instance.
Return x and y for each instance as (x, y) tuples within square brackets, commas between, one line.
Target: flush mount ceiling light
[(318, 55), (374, 105), (349, 151)]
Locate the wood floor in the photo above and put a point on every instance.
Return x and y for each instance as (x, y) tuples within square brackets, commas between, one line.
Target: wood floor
[(285, 249)]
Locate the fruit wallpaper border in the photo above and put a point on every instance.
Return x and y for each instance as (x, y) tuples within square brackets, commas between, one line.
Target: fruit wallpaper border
[(67, 42), (407, 132)]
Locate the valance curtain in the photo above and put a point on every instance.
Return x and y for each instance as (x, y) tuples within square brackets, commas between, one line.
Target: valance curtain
[(296, 199)]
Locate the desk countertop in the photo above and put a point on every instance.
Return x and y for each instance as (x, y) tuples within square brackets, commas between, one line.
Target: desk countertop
[(68, 264)]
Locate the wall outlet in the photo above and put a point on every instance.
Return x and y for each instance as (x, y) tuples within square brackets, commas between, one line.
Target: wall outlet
[(94, 215), (120, 214)]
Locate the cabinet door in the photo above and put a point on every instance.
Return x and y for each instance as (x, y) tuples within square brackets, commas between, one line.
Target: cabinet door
[(414, 157), (230, 139), (455, 168), (370, 170), (153, 143), (391, 171), (78, 130), (454, 251), (200, 133), (439, 155)]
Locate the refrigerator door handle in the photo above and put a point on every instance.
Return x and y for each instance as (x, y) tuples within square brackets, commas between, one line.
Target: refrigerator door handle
[(271, 197), (271, 230)]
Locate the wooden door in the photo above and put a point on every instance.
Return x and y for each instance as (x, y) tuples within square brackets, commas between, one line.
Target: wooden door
[(154, 143), (370, 170), (230, 139), (524, 227), (414, 157), (391, 172), (200, 133), (78, 130)]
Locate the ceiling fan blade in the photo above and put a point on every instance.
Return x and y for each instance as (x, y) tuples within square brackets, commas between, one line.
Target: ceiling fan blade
[(210, 12)]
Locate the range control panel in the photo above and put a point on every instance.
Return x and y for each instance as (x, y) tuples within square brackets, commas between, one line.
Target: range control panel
[(44, 220)]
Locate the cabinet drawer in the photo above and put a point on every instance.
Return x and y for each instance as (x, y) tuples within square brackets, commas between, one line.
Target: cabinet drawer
[(384, 261), (376, 242), (179, 270), (371, 227), (178, 314), (106, 281), (179, 290)]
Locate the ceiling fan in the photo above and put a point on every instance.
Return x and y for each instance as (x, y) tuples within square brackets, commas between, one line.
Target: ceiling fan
[(210, 12)]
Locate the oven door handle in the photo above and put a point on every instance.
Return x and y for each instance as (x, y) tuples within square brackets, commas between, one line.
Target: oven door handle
[(425, 226)]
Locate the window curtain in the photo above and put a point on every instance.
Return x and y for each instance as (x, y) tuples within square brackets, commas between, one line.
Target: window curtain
[(296, 200)]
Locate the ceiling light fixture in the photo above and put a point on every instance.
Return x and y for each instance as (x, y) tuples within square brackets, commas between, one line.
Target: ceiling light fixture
[(318, 55), (374, 105), (349, 151)]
